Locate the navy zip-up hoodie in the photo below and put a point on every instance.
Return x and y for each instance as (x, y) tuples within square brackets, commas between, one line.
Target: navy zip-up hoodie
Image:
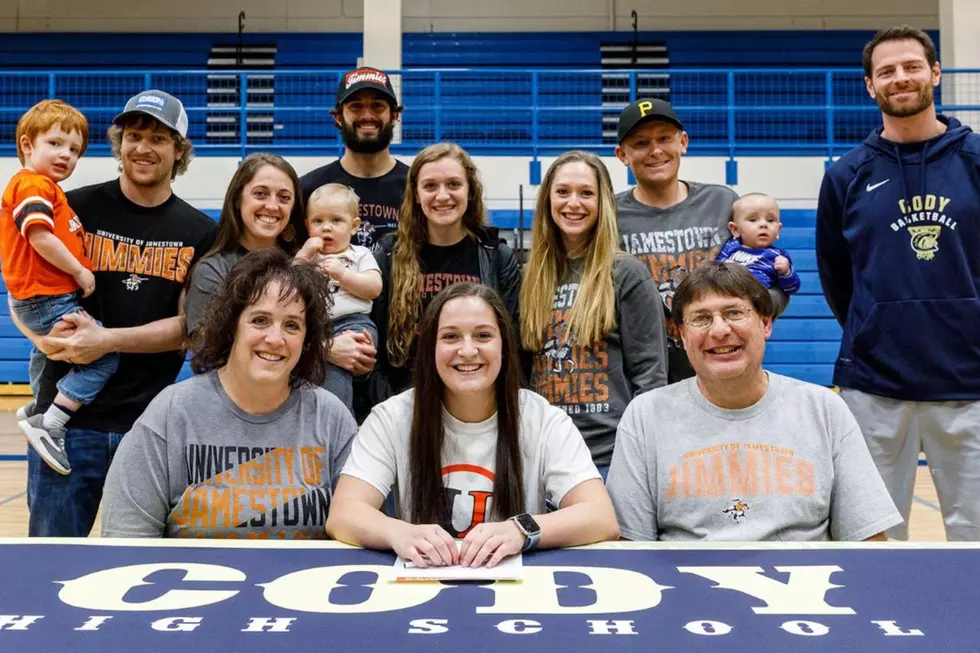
[(898, 249)]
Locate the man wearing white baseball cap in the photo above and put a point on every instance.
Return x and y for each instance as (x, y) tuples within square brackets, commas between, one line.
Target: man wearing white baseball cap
[(142, 241), (162, 106)]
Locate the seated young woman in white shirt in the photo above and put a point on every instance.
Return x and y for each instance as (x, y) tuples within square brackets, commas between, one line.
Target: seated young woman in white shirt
[(468, 454)]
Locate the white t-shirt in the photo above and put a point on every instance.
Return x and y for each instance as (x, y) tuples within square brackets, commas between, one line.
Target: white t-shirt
[(359, 259), (554, 456)]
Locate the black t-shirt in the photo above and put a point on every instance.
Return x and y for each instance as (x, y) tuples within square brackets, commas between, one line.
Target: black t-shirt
[(141, 258), (381, 198), (442, 266)]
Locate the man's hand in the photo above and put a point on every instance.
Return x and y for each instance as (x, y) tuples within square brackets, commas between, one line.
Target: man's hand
[(782, 265), (47, 344), (84, 340), (354, 352)]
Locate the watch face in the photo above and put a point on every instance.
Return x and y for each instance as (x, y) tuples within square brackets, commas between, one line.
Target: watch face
[(527, 523)]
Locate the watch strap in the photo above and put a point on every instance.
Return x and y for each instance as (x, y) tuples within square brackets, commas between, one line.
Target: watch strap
[(532, 538), (532, 541)]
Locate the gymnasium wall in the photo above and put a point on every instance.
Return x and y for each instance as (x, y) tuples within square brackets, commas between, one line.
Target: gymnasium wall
[(456, 15)]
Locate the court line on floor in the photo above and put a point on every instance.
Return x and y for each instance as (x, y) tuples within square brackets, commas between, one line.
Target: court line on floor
[(17, 458), (927, 504), (13, 498)]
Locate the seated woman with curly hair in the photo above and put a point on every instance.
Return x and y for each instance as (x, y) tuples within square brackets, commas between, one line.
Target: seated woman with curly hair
[(251, 446)]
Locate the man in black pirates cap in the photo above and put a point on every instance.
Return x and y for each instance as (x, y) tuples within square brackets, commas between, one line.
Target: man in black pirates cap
[(670, 224)]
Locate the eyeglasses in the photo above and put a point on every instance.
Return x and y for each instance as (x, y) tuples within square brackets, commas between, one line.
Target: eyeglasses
[(731, 316)]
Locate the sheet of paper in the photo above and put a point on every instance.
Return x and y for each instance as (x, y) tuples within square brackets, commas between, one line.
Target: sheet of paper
[(511, 568)]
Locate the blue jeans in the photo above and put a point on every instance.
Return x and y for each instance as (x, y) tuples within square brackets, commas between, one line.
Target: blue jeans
[(603, 471), (66, 506), (339, 381), (39, 314)]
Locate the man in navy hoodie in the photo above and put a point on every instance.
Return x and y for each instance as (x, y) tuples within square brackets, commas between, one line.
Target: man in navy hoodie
[(898, 249)]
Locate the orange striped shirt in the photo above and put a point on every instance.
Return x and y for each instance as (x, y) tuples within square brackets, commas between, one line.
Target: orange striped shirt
[(32, 201)]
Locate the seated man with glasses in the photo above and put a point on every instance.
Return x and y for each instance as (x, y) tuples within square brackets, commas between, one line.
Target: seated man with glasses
[(739, 453)]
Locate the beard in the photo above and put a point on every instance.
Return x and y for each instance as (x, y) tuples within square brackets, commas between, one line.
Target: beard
[(373, 145), (923, 101), (150, 180)]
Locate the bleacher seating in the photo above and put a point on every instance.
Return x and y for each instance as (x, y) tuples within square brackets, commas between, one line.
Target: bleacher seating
[(491, 112), (766, 49), (80, 61), (806, 338), (81, 51)]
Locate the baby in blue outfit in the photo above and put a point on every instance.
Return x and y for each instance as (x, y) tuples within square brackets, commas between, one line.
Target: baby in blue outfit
[(755, 227)]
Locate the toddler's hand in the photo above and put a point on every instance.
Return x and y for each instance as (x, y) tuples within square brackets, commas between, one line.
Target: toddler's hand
[(782, 265), (86, 281), (310, 248), (334, 268)]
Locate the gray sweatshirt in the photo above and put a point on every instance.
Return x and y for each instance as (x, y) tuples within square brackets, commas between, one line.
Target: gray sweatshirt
[(197, 465), (674, 241), (208, 274), (594, 383)]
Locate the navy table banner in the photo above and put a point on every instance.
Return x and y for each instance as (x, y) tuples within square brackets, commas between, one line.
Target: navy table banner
[(88, 596)]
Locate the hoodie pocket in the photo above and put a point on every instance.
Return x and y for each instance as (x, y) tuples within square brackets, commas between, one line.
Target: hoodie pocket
[(926, 348)]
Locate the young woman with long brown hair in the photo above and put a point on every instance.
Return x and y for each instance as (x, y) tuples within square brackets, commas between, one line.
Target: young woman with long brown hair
[(468, 453), (592, 316), (442, 239), (263, 207)]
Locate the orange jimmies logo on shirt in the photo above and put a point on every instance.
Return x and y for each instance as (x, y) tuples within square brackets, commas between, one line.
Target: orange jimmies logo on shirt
[(740, 469)]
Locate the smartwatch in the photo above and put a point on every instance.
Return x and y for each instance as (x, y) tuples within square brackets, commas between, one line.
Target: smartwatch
[(527, 525)]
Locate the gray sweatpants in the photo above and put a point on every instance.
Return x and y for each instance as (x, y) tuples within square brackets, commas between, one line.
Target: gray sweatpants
[(949, 434)]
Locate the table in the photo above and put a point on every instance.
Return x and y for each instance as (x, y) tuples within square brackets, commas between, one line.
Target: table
[(147, 596)]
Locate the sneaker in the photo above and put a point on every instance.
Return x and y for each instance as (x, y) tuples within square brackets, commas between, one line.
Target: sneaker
[(25, 411), (48, 443)]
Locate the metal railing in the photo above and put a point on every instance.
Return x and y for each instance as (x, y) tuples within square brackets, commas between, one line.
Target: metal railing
[(532, 112)]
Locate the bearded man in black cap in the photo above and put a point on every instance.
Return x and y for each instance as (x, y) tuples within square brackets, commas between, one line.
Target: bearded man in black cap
[(671, 225), (366, 112)]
